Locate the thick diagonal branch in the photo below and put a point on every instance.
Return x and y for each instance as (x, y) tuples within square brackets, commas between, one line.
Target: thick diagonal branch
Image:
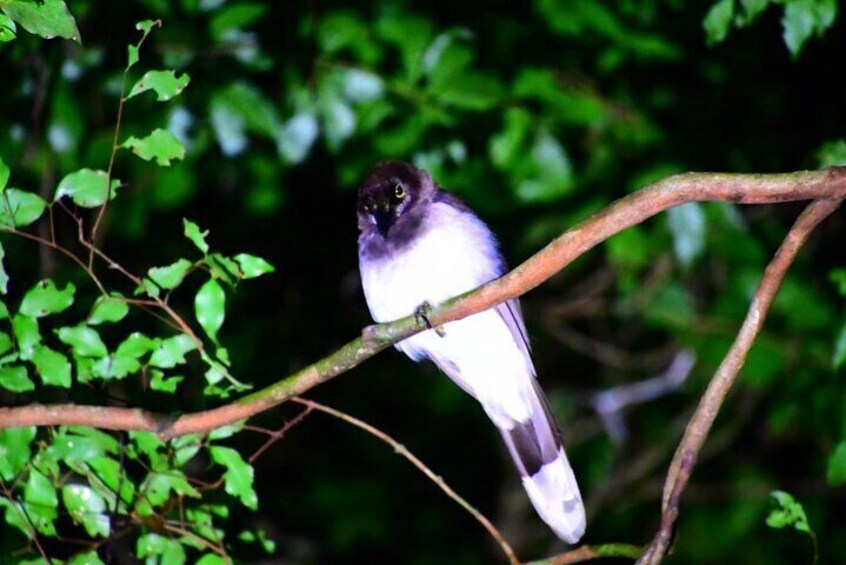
[(745, 189), (710, 403)]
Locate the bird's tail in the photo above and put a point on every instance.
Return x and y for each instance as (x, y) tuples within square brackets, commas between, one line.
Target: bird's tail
[(536, 448)]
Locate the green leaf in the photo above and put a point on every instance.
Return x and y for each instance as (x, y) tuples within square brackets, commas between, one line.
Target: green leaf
[(211, 559), (15, 454), (171, 352), (4, 169), (192, 232), (5, 343), (15, 379), (803, 18), (136, 346), (47, 18), (171, 276), (54, 368), (87, 188), (44, 299), (235, 17), (26, 334), (161, 383), (718, 20), (41, 502), (787, 513), (87, 558), (210, 307), (158, 486), (4, 277), (252, 266), (107, 309), (84, 341), (165, 84), (8, 32), (838, 360), (260, 536), (87, 508), (19, 208), (836, 474), (754, 8), (160, 145), (238, 478)]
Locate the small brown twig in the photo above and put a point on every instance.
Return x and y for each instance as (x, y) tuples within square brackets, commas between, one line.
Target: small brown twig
[(402, 450), (700, 424)]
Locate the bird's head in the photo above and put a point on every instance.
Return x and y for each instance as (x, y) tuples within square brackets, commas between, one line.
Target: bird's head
[(392, 190)]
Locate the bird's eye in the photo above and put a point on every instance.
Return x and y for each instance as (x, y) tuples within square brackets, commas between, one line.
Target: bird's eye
[(399, 191)]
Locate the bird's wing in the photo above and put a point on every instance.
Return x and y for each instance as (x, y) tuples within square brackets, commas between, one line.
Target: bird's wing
[(512, 315)]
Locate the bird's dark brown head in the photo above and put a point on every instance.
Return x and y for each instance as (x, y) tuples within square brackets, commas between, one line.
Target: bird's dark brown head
[(392, 190)]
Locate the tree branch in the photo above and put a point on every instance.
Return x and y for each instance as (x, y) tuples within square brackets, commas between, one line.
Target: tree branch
[(702, 420), (827, 183)]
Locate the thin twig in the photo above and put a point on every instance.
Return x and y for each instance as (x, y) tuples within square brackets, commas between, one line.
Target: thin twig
[(280, 433), (702, 420), (402, 450)]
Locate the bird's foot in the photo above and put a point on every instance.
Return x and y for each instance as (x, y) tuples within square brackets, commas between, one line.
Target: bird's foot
[(421, 315)]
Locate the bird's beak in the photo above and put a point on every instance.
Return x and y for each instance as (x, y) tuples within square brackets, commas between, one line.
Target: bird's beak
[(384, 220)]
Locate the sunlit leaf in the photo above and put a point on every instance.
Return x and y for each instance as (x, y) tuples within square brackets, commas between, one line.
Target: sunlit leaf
[(19, 208), (47, 18), (44, 299), (160, 145), (53, 367), (171, 276), (8, 32), (107, 309), (252, 266), (171, 352), (84, 341), (238, 476), (87, 508), (164, 83), (15, 379), (87, 188), (210, 307), (192, 232)]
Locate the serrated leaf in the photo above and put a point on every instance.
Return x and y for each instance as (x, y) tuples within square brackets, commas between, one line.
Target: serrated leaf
[(164, 83), (26, 334), (160, 145), (161, 383), (787, 513), (87, 188), (238, 478), (107, 309), (44, 299), (54, 368), (136, 346), (171, 276), (836, 473), (47, 18), (192, 232), (171, 352), (718, 20), (15, 451), (252, 266), (87, 508), (15, 379), (84, 341), (19, 208), (210, 307)]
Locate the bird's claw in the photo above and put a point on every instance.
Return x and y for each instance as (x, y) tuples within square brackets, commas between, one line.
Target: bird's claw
[(421, 314)]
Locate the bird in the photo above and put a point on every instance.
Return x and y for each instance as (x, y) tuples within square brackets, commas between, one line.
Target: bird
[(420, 245)]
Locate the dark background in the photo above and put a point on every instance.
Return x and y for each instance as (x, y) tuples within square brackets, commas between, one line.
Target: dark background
[(537, 114)]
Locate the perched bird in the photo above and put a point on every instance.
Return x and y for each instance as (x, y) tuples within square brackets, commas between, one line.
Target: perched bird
[(420, 246)]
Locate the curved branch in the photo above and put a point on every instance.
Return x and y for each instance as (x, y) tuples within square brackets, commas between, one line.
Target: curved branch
[(740, 188), (709, 405)]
